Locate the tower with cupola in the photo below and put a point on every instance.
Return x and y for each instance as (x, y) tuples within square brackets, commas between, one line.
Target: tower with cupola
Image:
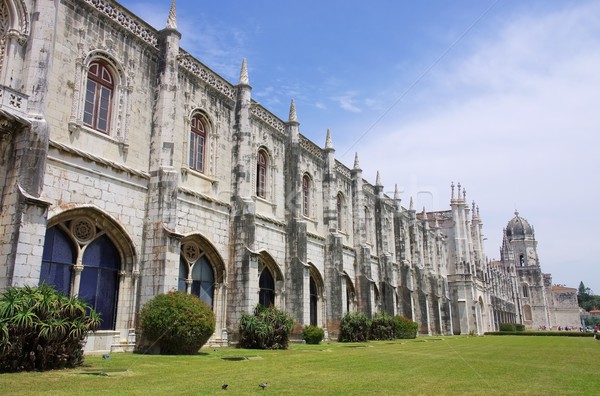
[(519, 254)]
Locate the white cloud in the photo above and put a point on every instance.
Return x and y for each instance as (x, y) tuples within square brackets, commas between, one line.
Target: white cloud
[(347, 102), (517, 121)]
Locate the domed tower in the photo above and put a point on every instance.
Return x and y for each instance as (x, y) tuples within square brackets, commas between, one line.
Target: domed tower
[(519, 251), (519, 234)]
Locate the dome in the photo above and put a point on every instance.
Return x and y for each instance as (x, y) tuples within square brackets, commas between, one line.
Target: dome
[(519, 228)]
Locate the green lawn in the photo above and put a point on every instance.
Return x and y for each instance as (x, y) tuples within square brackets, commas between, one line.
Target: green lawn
[(503, 365)]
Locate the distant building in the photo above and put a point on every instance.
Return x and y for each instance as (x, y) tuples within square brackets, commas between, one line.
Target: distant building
[(129, 169)]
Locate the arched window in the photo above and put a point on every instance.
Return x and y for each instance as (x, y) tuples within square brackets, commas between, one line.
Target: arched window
[(350, 293), (340, 212), (525, 290), (203, 280), (196, 271), (522, 260), (266, 284), (306, 195), (99, 279), (261, 174), (98, 97), (197, 143), (314, 297), (368, 226), (98, 274), (527, 312), (57, 259)]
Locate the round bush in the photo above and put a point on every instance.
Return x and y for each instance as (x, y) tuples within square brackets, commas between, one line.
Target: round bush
[(405, 328), (42, 329), (178, 323), (354, 328), (383, 327), (508, 327), (313, 334)]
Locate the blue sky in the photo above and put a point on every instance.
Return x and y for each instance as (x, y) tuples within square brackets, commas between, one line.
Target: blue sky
[(502, 96)]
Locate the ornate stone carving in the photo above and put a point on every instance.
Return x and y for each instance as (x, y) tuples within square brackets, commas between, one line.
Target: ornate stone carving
[(83, 230), (191, 252), (127, 21), (259, 112), (202, 72)]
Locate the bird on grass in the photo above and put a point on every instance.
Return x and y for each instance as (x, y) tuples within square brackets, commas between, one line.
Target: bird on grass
[(263, 385), (224, 386), (106, 356)]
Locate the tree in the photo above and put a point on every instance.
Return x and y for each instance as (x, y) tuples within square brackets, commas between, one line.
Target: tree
[(586, 298)]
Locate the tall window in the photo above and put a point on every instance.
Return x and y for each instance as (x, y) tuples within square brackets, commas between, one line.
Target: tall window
[(368, 226), (313, 301), (261, 174), (98, 97), (525, 290), (100, 265), (197, 143), (266, 284), (306, 196), (522, 260), (340, 211)]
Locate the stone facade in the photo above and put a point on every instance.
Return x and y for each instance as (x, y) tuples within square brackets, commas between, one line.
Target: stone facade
[(129, 169)]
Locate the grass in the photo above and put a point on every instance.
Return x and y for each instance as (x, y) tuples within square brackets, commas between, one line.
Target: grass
[(490, 365)]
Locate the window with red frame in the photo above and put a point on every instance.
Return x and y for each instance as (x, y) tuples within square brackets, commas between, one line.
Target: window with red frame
[(98, 97), (261, 174), (197, 143)]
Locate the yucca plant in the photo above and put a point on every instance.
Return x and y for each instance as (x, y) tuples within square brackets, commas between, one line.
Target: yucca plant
[(42, 329), (267, 328)]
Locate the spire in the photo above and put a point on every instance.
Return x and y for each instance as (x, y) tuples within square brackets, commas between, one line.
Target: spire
[(411, 205), (378, 180), (244, 73), (356, 163), (452, 187), (328, 142), (424, 214), (293, 116), (459, 188), (396, 193), (172, 20), (464, 195)]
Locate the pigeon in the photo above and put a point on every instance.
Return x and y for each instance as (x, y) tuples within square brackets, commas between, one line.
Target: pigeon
[(263, 385), (106, 356), (224, 386)]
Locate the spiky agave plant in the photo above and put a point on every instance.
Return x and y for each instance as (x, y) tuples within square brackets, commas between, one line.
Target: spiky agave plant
[(42, 329)]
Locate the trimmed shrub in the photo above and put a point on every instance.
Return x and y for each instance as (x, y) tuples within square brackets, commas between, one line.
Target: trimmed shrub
[(268, 328), (178, 323), (42, 329), (508, 327), (313, 334), (383, 327), (405, 328), (519, 327), (354, 328)]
